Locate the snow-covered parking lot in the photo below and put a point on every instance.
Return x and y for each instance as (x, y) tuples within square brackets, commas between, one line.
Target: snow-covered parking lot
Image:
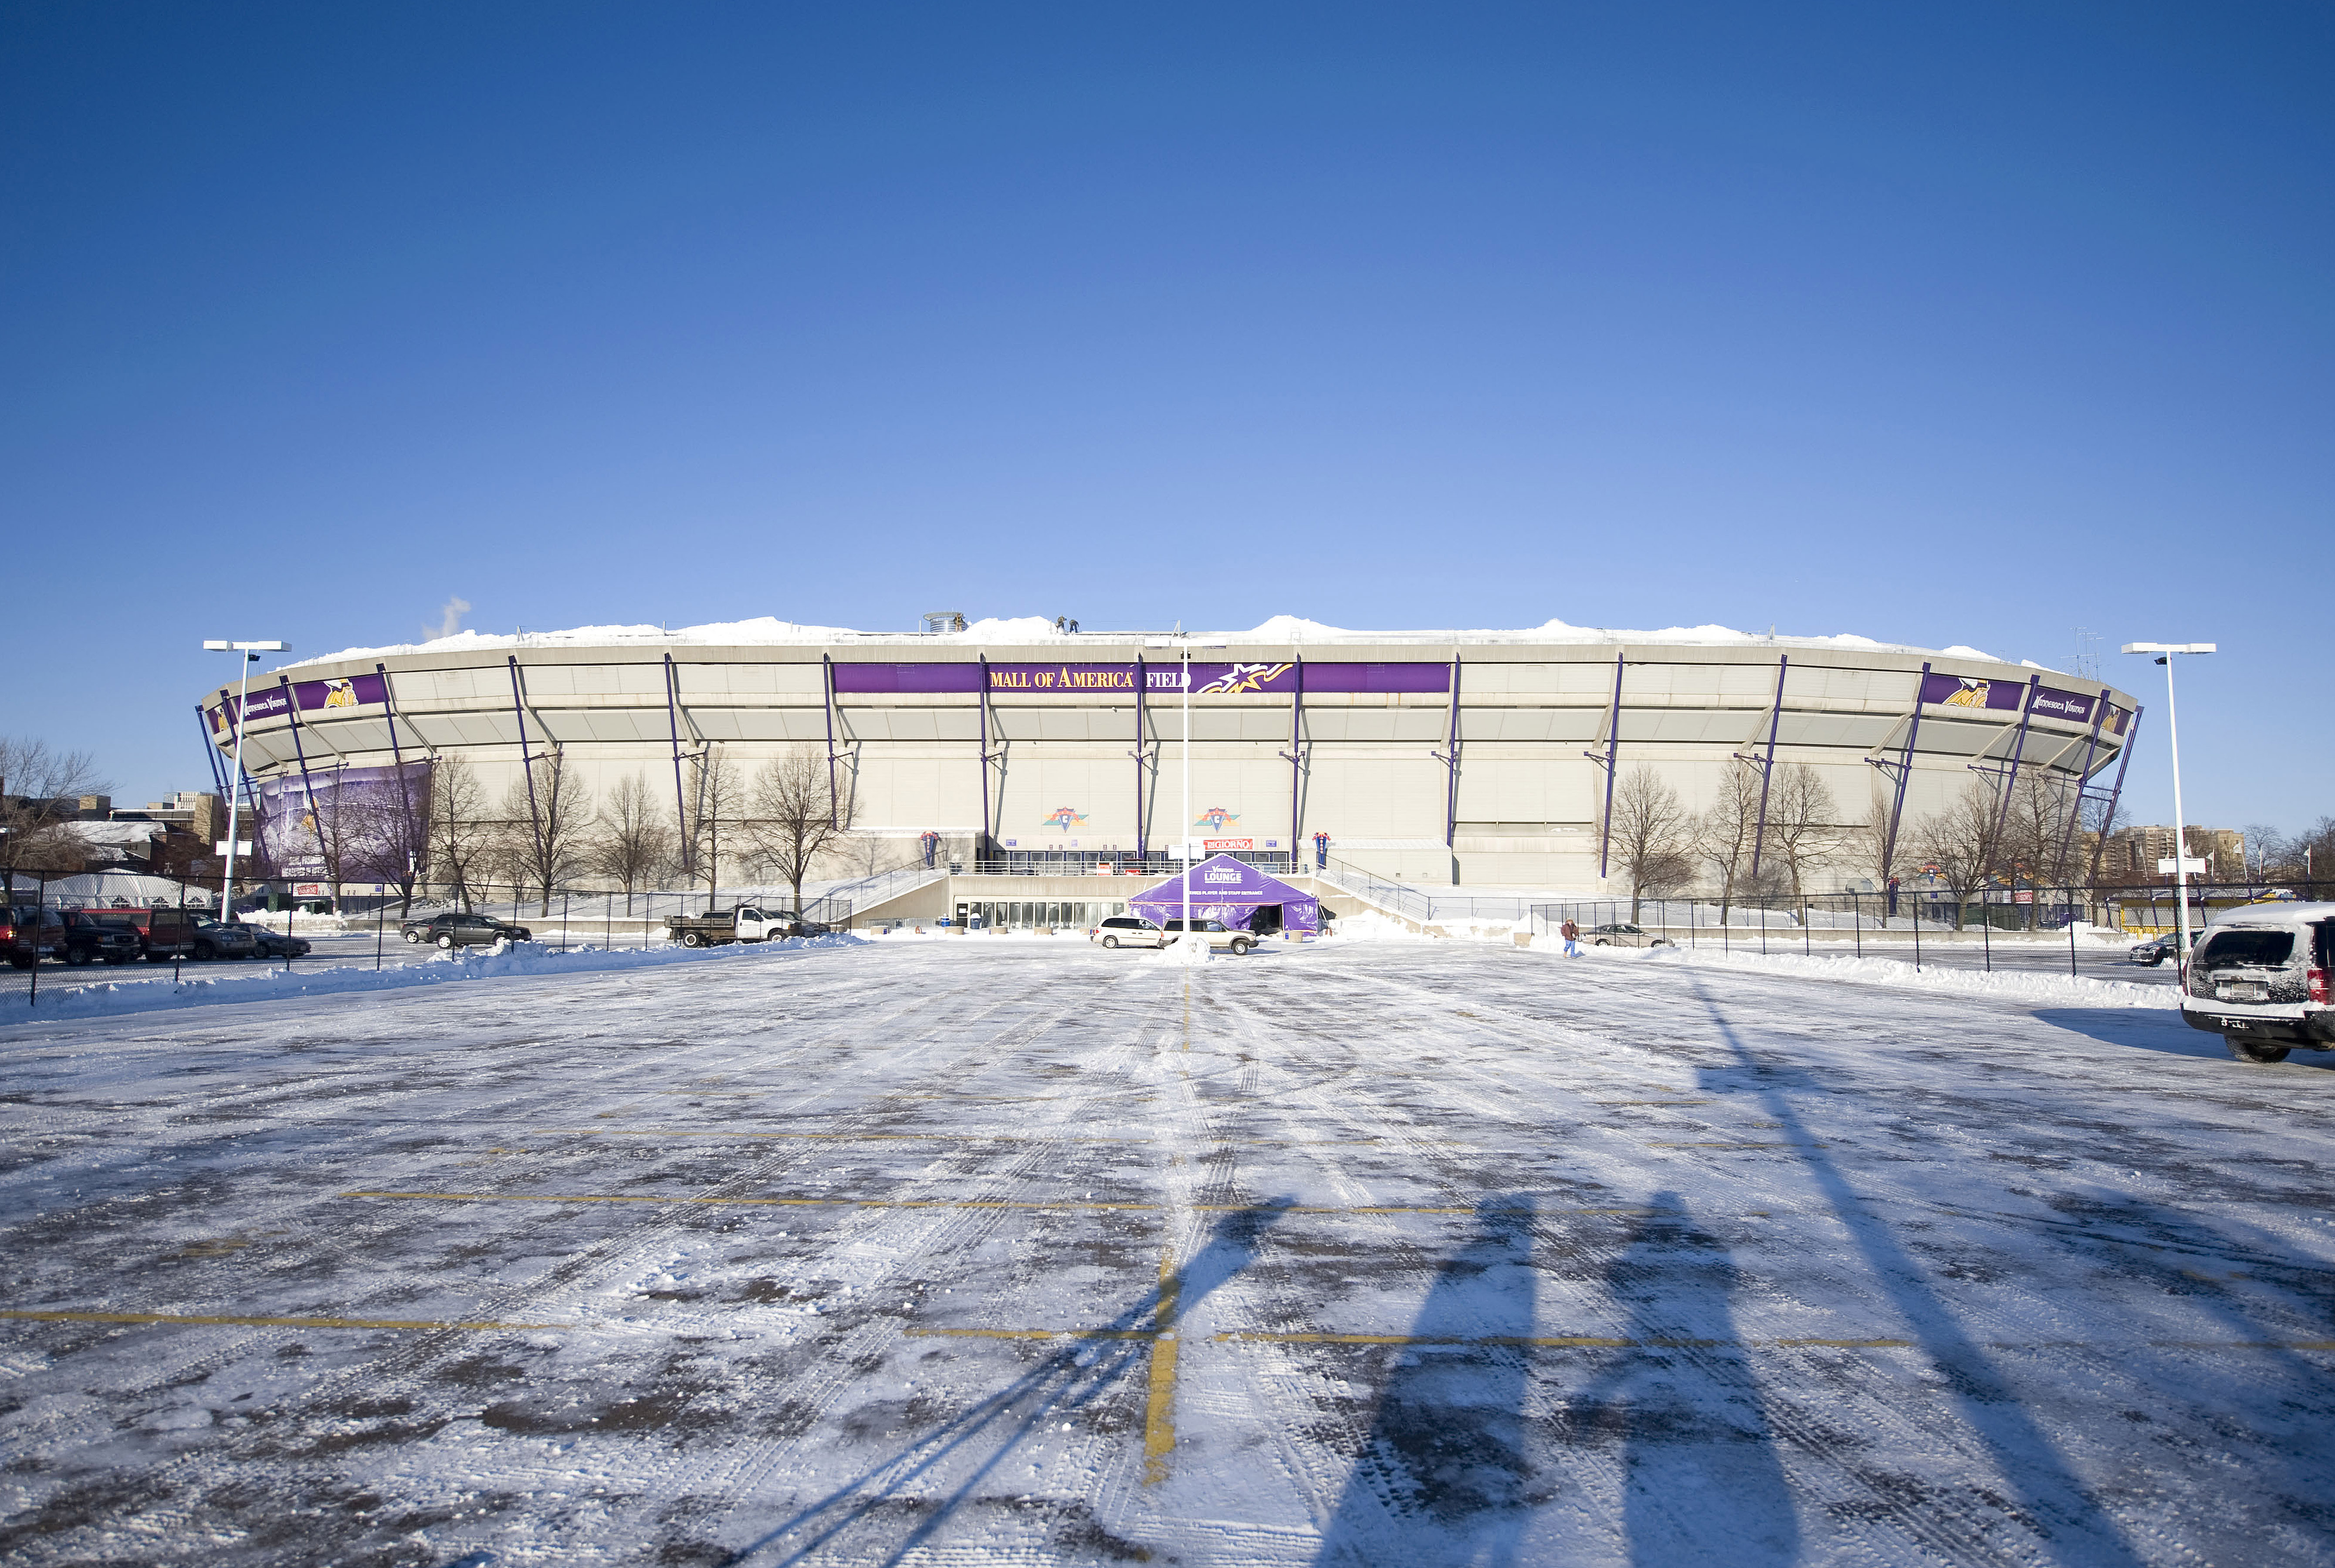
[(1023, 1252)]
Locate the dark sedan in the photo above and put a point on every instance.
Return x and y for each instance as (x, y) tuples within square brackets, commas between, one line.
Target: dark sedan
[(456, 929)]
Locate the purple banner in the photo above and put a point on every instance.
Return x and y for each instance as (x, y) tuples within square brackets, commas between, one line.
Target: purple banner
[(1166, 676), (1970, 691), (363, 821), (908, 677), (314, 696), (2053, 703)]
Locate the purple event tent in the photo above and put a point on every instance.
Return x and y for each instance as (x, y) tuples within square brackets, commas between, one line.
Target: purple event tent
[(1231, 891)]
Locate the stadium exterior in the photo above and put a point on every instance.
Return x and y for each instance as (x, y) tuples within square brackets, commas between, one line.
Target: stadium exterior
[(1478, 758)]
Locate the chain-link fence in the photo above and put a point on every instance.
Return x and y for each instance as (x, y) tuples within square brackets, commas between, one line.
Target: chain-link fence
[(2103, 932), (59, 935)]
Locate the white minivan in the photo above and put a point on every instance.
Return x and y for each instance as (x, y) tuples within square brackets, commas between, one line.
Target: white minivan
[(2259, 979), (1127, 931)]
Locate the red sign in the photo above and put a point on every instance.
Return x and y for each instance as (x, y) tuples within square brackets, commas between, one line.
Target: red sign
[(1218, 846)]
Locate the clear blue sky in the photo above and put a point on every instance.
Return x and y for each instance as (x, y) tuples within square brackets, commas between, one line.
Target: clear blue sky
[(1975, 324)]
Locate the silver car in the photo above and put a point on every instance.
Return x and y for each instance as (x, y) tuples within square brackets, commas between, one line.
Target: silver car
[(1127, 931), (1621, 933)]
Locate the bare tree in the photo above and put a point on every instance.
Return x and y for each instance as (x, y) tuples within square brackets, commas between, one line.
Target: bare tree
[(39, 790), (392, 845), (797, 815), (717, 800), (1724, 830), (1958, 844), (548, 823), (631, 841), (1803, 831), (459, 836), (2034, 823), (1651, 833)]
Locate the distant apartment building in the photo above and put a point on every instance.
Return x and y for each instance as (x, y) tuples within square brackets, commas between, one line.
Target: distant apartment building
[(2133, 853)]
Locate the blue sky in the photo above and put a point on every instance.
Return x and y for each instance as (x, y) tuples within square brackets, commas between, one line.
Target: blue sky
[(1976, 324)]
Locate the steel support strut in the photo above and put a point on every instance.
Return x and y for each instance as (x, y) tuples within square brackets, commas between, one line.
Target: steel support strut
[(1142, 839), (307, 785), (2115, 793), (397, 759), (1904, 770), (827, 675), (526, 767), (210, 751), (1296, 757), (981, 843), (1767, 765), (1609, 761), (680, 794), (2083, 780), (2018, 750)]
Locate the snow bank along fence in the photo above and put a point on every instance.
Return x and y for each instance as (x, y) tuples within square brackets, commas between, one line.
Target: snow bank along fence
[(1907, 919), (364, 927)]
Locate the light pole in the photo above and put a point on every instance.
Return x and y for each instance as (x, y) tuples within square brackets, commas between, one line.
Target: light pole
[(250, 652), (2164, 653)]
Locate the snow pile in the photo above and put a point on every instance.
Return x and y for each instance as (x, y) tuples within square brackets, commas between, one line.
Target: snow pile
[(1007, 631), (1370, 926), (2018, 985), (110, 999), (1187, 952)]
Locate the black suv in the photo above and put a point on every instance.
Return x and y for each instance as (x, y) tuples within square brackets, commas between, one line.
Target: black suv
[(89, 936), (453, 929)]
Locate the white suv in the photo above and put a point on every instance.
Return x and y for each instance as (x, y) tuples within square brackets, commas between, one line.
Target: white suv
[(1127, 931), (2258, 978)]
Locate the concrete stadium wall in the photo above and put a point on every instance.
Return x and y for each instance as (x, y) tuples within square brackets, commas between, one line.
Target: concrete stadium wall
[(1528, 804)]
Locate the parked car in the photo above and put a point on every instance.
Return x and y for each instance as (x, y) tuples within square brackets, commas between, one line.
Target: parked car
[(2258, 978), (28, 935), (1215, 932), (456, 928), (164, 932), (1621, 933), (216, 939), (1127, 931), (277, 944), (90, 935), (2156, 949)]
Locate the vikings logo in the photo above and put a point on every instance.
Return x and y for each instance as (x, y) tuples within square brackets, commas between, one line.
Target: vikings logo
[(1972, 695), (339, 693), (1246, 678), (1216, 816), (1062, 819)]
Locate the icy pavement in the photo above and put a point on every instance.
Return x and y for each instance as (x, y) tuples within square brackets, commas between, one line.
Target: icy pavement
[(947, 1251)]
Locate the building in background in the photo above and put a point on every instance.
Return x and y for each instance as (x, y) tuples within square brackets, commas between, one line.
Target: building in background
[(2134, 852), (1483, 759)]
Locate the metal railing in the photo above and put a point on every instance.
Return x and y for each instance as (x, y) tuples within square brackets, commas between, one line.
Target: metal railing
[(1398, 897)]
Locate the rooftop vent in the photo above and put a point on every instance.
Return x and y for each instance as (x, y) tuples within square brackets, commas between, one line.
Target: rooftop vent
[(937, 621)]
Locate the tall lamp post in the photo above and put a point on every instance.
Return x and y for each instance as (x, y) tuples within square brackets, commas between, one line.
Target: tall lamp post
[(250, 652), (2164, 653)]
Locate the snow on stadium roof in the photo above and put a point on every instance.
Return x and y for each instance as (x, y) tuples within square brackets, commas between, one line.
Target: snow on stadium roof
[(766, 631)]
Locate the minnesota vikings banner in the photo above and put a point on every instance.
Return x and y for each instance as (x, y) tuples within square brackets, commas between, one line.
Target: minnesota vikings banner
[(313, 696), (2072, 706), (1165, 677), (1970, 691), (362, 821)]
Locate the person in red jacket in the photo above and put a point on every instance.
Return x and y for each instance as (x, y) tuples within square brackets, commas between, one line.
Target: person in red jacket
[(1571, 935)]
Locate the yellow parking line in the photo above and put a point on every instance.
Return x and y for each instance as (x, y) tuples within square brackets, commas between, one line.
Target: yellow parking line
[(1160, 1414), (259, 1322), (1029, 1333)]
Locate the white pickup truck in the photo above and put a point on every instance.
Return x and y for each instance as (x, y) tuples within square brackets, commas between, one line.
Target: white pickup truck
[(741, 923)]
